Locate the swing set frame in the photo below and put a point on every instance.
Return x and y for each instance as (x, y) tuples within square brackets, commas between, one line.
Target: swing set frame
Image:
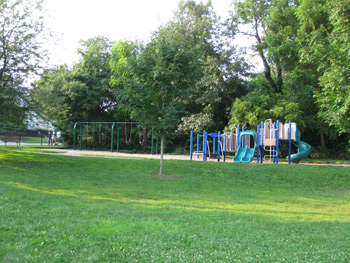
[(79, 126)]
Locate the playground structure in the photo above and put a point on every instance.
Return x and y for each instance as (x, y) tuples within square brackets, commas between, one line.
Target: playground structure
[(114, 134), (222, 143), (244, 144)]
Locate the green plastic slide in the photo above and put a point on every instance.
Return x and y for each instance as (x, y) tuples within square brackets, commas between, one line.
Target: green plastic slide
[(245, 155), (241, 153), (303, 151)]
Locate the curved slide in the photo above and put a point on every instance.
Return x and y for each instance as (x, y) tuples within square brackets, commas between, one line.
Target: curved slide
[(303, 151)]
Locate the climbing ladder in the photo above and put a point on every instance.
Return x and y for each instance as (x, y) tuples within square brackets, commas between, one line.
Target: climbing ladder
[(270, 141)]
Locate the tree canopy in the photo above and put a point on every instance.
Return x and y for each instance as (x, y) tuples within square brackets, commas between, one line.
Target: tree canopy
[(325, 34), (64, 96), (20, 56), (303, 49), (155, 82)]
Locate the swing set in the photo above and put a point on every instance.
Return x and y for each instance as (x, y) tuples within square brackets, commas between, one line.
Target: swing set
[(142, 134), (99, 132)]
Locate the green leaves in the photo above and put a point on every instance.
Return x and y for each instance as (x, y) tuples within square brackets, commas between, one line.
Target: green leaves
[(304, 47), (82, 93), (152, 85), (181, 71), (326, 27), (256, 107), (20, 57)]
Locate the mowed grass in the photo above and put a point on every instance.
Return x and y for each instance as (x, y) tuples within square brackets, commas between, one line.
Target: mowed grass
[(27, 139), (83, 209)]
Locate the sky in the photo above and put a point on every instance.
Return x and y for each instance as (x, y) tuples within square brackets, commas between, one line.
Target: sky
[(75, 20)]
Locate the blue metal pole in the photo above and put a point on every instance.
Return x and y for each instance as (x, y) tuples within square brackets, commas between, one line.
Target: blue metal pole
[(238, 131), (238, 134), (274, 147), (198, 141), (191, 145), (214, 142), (258, 144), (290, 142), (219, 148), (204, 146), (243, 139), (278, 141), (262, 142)]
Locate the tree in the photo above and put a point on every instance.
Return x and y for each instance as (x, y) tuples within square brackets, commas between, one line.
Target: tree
[(64, 96), (325, 35), (222, 67), (273, 25), (287, 79), (257, 106), (187, 72), (153, 81), (20, 55)]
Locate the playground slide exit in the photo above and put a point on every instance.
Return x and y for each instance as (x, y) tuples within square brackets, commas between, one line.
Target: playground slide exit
[(244, 155), (303, 151)]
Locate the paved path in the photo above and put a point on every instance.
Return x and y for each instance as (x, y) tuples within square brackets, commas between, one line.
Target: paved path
[(85, 153)]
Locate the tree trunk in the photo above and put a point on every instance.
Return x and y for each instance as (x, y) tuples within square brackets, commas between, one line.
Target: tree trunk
[(267, 68), (161, 154), (279, 81)]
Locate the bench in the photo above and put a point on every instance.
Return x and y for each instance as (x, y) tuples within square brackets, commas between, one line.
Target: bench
[(10, 139)]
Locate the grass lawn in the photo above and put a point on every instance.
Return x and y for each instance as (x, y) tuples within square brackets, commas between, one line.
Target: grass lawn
[(26, 139), (82, 209), (329, 161)]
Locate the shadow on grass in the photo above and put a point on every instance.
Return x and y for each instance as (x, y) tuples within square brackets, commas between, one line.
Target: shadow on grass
[(335, 212)]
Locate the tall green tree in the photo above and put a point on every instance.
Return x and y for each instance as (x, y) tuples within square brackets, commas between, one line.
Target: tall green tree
[(153, 81), (252, 14), (21, 31), (325, 34), (222, 67), (288, 84), (64, 96), (273, 27), (184, 78)]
